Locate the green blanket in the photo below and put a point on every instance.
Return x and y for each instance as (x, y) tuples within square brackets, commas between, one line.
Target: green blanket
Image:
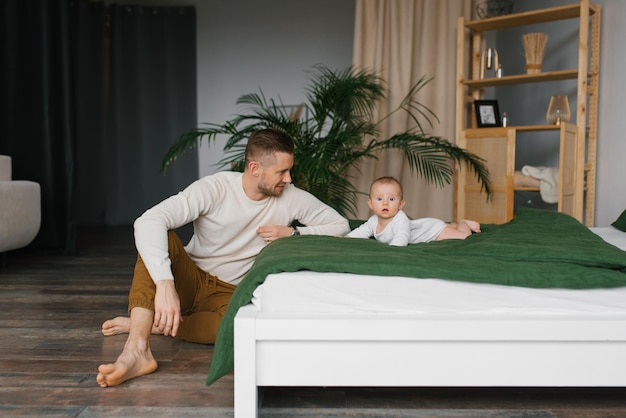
[(540, 249)]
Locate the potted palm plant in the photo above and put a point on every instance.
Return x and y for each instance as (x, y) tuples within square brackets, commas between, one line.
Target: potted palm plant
[(333, 131)]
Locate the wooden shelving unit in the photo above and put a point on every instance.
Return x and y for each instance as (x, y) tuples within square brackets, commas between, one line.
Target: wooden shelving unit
[(578, 143), (526, 18), (497, 146), (523, 78)]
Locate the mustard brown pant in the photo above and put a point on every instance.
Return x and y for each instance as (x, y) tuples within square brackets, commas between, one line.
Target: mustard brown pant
[(203, 297)]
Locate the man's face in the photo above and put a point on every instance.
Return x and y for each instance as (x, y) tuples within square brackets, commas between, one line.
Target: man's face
[(275, 176)]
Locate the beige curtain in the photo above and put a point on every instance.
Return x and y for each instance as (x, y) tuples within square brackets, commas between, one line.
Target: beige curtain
[(403, 40)]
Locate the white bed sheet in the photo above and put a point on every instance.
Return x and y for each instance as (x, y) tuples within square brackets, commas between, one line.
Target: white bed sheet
[(343, 293), (612, 236)]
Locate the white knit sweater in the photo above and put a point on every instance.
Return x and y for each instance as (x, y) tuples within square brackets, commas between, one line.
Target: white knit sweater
[(225, 220)]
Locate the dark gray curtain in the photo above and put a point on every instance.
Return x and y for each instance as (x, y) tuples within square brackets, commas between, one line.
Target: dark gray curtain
[(90, 46), (89, 113), (152, 102), (37, 117)]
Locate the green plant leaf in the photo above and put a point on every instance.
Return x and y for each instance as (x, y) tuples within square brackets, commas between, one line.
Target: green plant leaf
[(335, 132)]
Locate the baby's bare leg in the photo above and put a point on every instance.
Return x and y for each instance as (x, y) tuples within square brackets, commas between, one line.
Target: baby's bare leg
[(460, 230), (472, 225), (451, 231)]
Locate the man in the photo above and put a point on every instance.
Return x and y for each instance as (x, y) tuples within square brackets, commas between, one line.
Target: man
[(184, 291)]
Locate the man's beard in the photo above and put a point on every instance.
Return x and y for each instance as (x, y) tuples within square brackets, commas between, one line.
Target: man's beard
[(263, 188)]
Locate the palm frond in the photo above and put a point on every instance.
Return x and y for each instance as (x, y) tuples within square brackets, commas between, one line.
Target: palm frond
[(412, 106), (333, 132), (430, 157), (190, 140)]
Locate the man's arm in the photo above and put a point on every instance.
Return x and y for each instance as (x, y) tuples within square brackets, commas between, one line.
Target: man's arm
[(270, 233), (167, 316), (151, 239), (152, 226), (317, 217)]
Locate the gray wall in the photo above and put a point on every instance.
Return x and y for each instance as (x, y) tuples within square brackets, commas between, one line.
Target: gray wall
[(247, 44), (244, 45), (527, 103)]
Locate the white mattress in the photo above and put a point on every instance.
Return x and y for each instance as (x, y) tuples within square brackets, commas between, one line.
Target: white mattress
[(612, 236), (343, 293)]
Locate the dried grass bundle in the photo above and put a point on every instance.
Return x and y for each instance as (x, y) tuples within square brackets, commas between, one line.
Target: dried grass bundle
[(534, 49), (295, 114)]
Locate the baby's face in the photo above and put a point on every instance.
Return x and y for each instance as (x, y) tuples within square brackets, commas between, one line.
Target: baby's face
[(386, 200)]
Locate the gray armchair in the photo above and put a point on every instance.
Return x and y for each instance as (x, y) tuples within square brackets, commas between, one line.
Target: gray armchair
[(20, 209)]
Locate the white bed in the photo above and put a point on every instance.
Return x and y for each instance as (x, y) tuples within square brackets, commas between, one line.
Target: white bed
[(313, 329)]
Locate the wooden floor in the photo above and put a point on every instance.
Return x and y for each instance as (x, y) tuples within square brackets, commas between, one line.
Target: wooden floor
[(51, 310)]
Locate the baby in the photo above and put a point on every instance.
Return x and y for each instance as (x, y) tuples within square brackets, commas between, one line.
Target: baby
[(390, 225)]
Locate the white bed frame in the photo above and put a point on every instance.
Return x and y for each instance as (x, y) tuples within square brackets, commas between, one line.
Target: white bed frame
[(378, 350)]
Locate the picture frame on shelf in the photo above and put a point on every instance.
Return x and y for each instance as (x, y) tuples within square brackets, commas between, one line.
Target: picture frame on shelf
[(487, 114)]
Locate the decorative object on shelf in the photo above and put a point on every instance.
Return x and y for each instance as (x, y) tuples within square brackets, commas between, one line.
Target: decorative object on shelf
[(489, 61), (487, 113), (558, 110), (505, 120), (534, 50), (493, 8)]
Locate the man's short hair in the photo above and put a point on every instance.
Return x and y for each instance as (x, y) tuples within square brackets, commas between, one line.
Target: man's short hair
[(264, 144)]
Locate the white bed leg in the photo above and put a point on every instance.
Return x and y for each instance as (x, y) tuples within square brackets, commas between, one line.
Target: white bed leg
[(246, 391)]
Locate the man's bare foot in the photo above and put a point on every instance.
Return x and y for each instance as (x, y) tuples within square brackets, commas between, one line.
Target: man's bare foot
[(128, 366), (115, 326), (120, 325)]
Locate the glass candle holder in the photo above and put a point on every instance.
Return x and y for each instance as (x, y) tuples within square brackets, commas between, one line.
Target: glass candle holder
[(489, 61), (558, 110)]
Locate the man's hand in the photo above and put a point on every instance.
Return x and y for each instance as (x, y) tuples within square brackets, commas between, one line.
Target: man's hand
[(270, 233), (166, 308)]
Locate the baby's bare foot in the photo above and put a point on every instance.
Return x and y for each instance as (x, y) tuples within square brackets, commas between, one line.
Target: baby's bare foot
[(473, 225)]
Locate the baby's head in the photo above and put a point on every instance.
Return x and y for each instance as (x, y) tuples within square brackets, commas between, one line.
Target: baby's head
[(386, 197)]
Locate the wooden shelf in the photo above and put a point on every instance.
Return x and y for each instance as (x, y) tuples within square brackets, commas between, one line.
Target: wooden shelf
[(526, 189), (526, 18), (523, 128), (534, 128), (523, 78), (497, 147), (577, 142)]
